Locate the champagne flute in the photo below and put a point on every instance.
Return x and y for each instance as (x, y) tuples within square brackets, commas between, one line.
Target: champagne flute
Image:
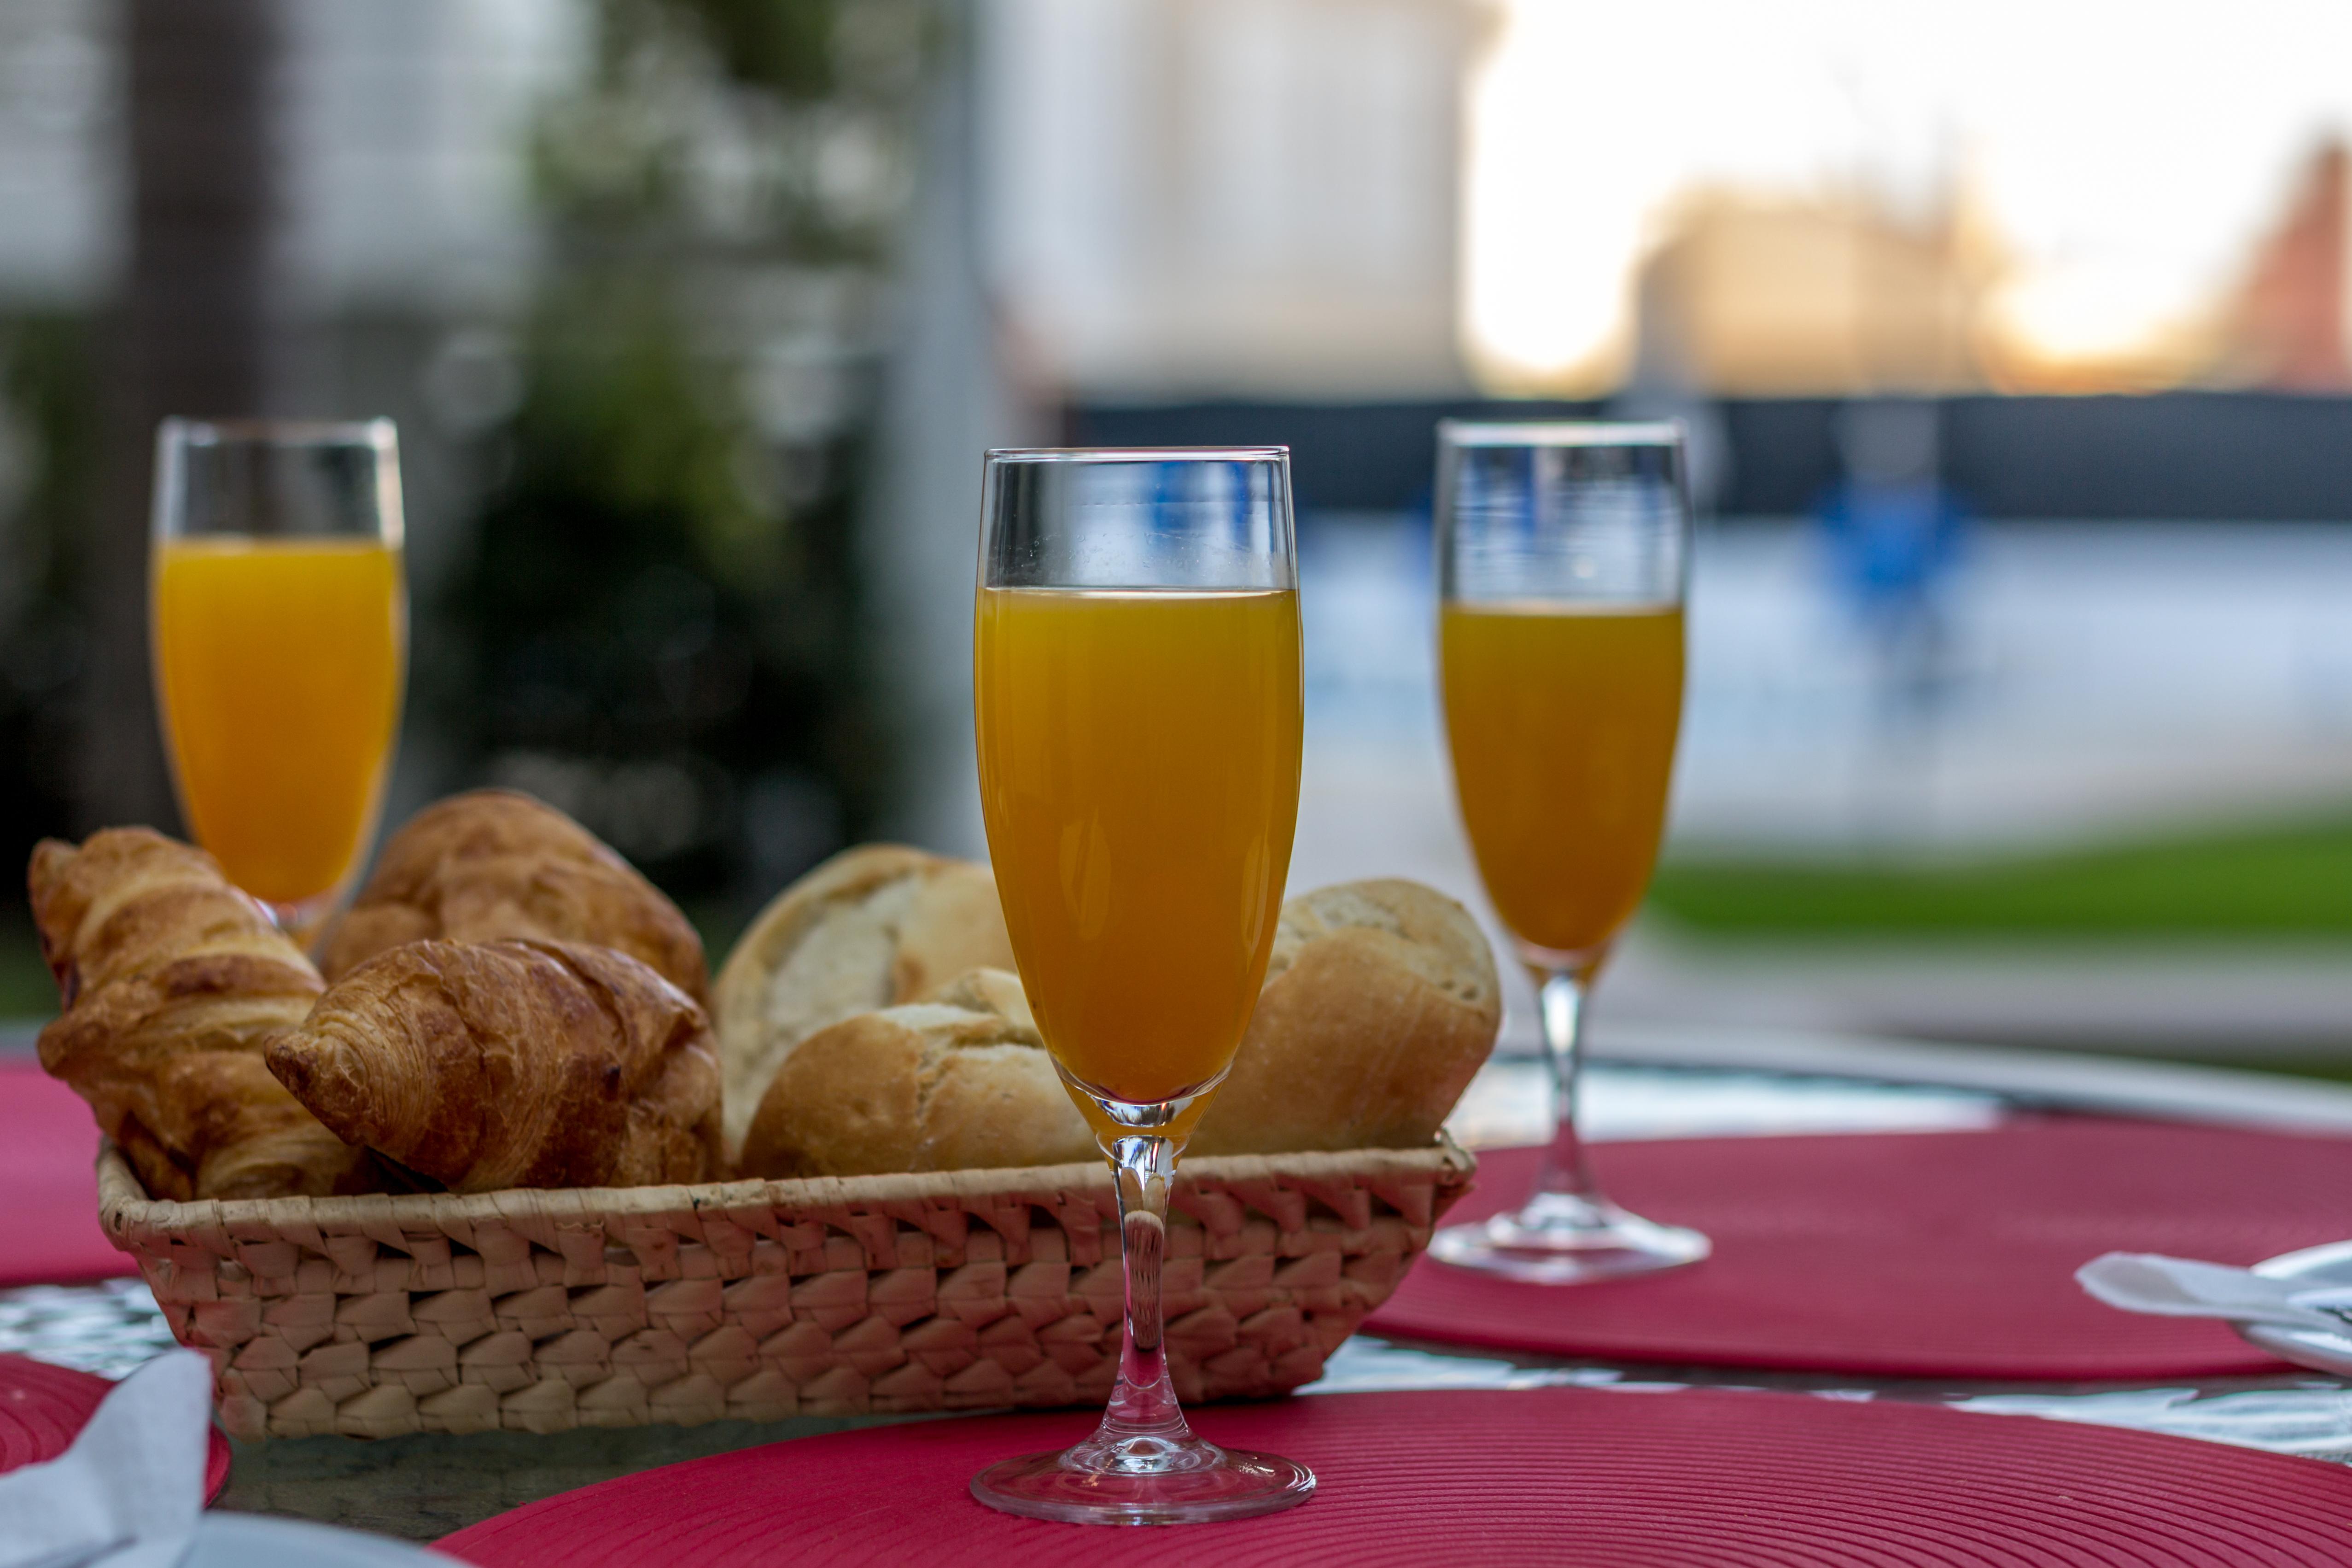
[(1563, 554), (281, 630), (1136, 680)]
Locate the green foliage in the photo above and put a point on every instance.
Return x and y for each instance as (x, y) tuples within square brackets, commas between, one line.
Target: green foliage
[(656, 626), (49, 436), (785, 44), (627, 601), (761, 124), (26, 990), (2276, 881)]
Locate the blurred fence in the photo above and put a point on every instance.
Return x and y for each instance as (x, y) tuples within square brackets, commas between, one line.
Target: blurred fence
[(2190, 455)]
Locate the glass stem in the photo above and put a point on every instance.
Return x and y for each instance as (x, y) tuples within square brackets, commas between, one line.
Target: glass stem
[(1561, 994), (1144, 1405)]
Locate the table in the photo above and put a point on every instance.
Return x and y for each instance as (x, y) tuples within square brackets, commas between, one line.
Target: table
[(1651, 1083)]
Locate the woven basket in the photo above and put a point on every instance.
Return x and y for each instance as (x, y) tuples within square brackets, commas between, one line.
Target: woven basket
[(540, 1311)]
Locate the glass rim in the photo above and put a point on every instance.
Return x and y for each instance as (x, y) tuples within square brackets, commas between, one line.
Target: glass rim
[(1138, 454), (184, 445), (254, 431), (1560, 432)]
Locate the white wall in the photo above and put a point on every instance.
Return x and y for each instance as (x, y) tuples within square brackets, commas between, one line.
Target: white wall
[(1226, 196)]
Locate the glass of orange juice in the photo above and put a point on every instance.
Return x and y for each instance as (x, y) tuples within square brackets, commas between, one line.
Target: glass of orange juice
[(1136, 680), (280, 623), (1562, 552)]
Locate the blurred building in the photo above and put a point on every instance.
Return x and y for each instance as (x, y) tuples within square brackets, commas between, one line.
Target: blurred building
[(60, 182), (2289, 327), (1752, 296), (1749, 294), (1225, 197)]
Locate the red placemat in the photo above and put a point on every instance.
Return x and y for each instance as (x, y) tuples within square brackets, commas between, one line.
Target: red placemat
[(1547, 1476), (44, 1408), (1910, 1254), (48, 1151)]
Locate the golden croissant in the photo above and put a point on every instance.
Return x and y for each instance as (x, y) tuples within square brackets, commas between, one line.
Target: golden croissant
[(171, 979), (493, 864), (505, 1064)]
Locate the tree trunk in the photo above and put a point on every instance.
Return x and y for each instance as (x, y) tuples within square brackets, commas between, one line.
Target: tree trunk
[(191, 337)]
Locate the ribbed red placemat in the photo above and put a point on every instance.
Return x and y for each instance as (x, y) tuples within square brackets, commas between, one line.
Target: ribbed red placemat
[(1909, 1254), (1574, 1476), (49, 1154), (43, 1409)]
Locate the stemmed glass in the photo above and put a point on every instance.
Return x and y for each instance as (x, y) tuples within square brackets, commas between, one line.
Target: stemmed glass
[(1136, 677), (1562, 559), (281, 630)]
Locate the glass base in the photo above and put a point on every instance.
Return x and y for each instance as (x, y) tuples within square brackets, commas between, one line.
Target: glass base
[(1144, 1480), (1560, 1238)]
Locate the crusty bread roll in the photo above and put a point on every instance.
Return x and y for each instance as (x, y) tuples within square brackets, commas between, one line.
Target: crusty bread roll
[(172, 980), (871, 927), (493, 865), (501, 1064), (1380, 1001), (959, 1082)]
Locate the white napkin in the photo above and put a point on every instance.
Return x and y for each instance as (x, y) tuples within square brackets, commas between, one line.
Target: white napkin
[(2181, 1288), (129, 1492)]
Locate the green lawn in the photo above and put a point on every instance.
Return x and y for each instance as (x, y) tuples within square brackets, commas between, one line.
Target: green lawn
[(25, 989), (2286, 881), (2335, 1069)]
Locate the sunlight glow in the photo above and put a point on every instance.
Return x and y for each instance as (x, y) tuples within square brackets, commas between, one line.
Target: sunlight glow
[(2125, 159)]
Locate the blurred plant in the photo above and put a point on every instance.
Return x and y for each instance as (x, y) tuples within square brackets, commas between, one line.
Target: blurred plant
[(49, 430), (47, 436), (655, 629)]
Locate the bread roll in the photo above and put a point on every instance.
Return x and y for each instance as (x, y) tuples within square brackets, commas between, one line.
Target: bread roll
[(502, 1064), (960, 1082), (1380, 1001), (171, 981), (491, 865), (871, 927)]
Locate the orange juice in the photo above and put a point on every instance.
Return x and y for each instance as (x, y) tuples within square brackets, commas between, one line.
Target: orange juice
[(1562, 721), (279, 664), (1138, 767)]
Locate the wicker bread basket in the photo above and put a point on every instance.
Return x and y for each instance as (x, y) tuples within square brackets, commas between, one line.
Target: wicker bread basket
[(540, 1311)]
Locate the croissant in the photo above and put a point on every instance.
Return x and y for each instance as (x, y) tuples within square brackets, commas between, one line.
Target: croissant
[(494, 864), (508, 1064), (170, 980)]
